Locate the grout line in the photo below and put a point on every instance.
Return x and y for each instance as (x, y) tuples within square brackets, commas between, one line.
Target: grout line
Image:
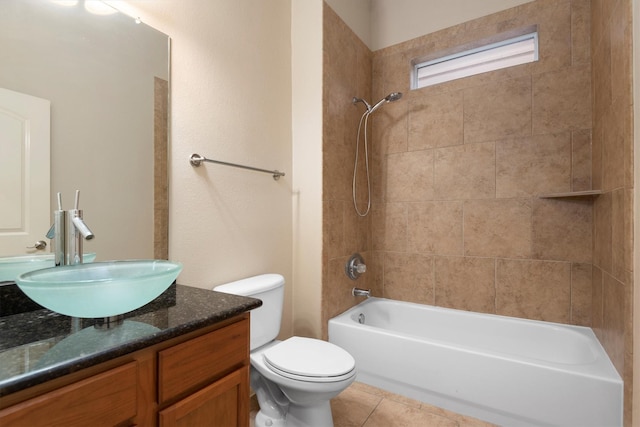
[(372, 411)]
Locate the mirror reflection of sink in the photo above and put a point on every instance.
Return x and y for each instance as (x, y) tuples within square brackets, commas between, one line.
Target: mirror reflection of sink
[(100, 289), (13, 266)]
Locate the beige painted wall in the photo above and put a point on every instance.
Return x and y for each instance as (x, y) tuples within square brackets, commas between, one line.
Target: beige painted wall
[(307, 118), (356, 14), (395, 21), (231, 101), (382, 23)]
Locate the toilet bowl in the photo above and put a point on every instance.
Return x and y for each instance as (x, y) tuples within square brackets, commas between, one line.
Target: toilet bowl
[(293, 379)]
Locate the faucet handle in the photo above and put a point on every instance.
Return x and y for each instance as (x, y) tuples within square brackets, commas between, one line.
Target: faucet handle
[(355, 266), (52, 232)]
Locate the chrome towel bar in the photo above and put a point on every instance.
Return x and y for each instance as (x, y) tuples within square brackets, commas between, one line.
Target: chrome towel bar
[(196, 160)]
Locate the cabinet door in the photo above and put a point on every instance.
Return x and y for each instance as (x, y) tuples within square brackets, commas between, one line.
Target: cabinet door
[(106, 399), (225, 403)]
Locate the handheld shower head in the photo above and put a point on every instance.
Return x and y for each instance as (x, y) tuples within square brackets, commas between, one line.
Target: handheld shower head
[(394, 96)]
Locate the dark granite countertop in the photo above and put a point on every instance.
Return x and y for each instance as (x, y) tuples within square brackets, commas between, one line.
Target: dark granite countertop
[(38, 345)]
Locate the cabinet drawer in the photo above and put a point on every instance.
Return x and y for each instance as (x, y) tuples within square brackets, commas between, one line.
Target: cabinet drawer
[(189, 366), (105, 399)]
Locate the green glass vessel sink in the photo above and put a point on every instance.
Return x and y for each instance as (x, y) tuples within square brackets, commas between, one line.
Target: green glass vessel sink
[(100, 289), (13, 266)]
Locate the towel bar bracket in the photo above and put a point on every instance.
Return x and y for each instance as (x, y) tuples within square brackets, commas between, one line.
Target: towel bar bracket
[(196, 160)]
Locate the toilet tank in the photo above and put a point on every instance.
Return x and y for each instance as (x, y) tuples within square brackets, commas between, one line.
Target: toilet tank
[(265, 320)]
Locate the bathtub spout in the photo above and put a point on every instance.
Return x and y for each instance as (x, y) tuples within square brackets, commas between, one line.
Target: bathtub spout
[(357, 292)]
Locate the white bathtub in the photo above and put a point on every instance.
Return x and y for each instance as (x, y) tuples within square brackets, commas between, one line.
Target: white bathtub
[(508, 371)]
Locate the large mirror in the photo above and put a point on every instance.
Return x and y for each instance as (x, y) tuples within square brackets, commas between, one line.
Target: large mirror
[(106, 77)]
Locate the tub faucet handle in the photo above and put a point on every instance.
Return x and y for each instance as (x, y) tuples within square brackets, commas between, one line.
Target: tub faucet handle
[(355, 266)]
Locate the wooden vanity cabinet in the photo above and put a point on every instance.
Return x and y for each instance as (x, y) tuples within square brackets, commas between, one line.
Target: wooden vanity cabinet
[(201, 378)]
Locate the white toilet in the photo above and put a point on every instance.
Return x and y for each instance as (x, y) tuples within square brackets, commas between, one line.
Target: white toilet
[(293, 379)]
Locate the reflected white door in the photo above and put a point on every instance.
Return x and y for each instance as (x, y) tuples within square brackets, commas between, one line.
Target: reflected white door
[(24, 172)]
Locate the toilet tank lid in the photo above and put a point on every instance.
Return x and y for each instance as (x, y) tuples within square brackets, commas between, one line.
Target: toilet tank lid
[(252, 285)]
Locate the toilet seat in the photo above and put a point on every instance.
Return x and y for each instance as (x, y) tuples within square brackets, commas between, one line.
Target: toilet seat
[(310, 360)]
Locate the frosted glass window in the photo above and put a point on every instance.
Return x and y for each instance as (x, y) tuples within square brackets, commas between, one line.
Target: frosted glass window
[(506, 53)]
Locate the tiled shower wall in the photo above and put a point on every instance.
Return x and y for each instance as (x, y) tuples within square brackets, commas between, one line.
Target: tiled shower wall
[(611, 38), (346, 74), (457, 169), (458, 221)]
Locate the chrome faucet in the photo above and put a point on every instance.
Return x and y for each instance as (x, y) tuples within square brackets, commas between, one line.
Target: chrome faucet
[(68, 232)]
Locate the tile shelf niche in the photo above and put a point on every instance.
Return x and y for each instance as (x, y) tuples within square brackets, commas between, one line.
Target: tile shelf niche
[(588, 193)]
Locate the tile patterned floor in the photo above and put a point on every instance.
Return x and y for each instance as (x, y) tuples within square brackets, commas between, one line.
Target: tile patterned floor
[(362, 405)]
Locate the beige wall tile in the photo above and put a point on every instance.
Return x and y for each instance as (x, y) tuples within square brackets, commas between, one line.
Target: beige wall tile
[(581, 294), (581, 160), (410, 176), (500, 228), (534, 289), (627, 234), (621, 33), (465, 283), (614, 313), (497, 110), (602, 231), (435, 121), (562, 229), (628, 135), (395, 227), (378, 226), (553, 19), (435, 228), (408, 277), (356, 230), (337, 165), (333, 229), (533, 165), (465, 172), (621, 234), (596, 154), (601, 73), (562, 100), (580, 32), (597, 304), (617, 144)]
